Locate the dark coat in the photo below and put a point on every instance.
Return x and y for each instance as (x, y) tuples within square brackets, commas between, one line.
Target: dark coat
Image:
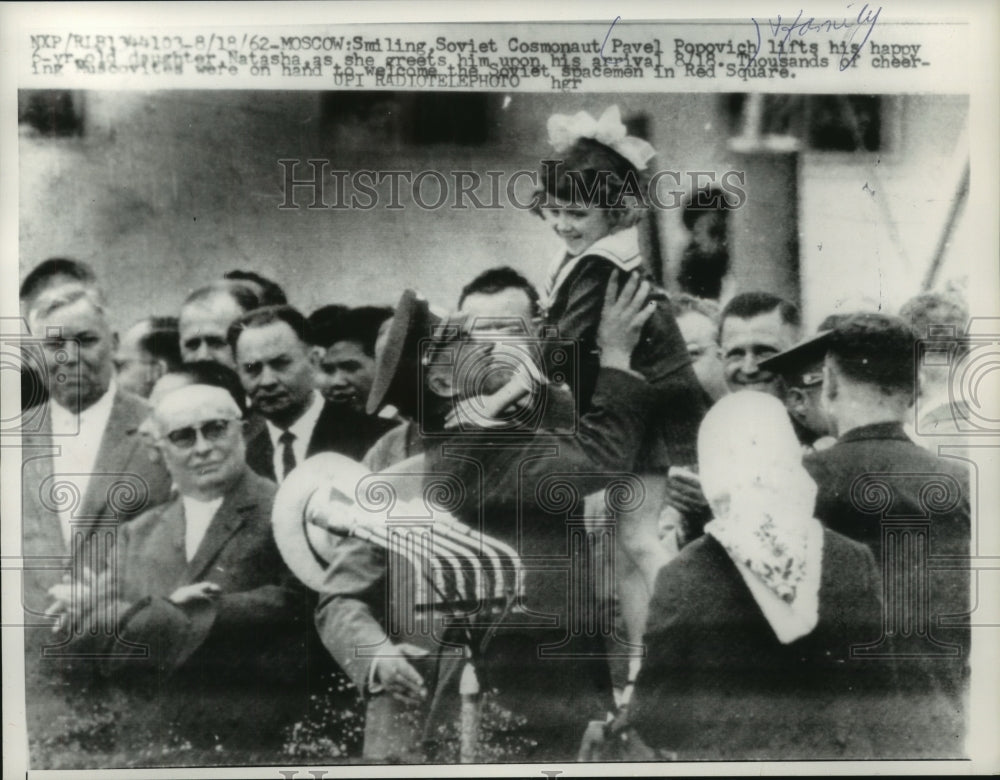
[(543, 667), (717, 684), (912, 508), (876, 472), (875, 479), (124, 483), (338, 429), (231, 670), (661, 356), (548, 660)]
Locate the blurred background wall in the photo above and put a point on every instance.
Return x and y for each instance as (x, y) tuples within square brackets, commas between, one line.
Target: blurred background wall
[(164, 191)]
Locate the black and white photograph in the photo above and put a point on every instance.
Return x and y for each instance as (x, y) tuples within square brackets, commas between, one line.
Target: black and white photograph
[(591, 390)]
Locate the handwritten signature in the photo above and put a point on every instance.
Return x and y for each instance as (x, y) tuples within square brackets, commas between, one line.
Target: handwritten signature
[(866, 18)]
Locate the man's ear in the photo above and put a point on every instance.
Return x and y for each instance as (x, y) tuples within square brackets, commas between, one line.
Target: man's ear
[(795, 402), (316, 355), (115, 341), (149, 441), (160, 367)]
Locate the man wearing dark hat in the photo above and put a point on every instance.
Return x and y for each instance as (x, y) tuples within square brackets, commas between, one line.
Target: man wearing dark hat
[(210, 630), (354, 608), (498, 299), (911, 507), (801, 371)]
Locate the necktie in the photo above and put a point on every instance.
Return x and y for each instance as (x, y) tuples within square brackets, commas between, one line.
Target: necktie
[(287, 453)]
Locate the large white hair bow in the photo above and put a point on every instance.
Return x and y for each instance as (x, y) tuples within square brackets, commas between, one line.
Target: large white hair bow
[(608, 130)]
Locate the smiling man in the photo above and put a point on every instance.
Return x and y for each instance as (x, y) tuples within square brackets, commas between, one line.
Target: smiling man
[(755, 326), (201, 585), (277, 364)]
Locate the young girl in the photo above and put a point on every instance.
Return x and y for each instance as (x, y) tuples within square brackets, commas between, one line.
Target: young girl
[(593, 194)]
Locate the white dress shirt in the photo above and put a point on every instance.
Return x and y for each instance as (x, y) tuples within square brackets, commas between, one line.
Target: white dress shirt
[(80, 437), (302, 429), (197, 517)]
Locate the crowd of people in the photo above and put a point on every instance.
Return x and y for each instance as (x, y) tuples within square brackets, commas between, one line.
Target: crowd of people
[(716, 531)]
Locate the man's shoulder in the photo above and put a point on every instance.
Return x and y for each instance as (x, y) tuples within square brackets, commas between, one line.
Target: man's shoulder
[(128, 408), (836, 470), (856, 451), (391, 447), (347, 431), (252, 488), (151, 519), (698, 560), (837, 547)]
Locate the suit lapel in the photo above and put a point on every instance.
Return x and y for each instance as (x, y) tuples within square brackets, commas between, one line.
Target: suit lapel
[(118, 443), (40, 526), (260, 452), (227, 521), (319, 439), (169, 546)]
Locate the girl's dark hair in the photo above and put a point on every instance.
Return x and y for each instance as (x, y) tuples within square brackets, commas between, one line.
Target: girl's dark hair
[(594, 176)]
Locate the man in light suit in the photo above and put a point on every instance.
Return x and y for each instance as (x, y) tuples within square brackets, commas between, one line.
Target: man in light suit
[(84, 470), (83, 467), (220, 629)]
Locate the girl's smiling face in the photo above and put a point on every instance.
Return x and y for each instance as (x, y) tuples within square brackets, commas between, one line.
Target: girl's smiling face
[(578, 226)]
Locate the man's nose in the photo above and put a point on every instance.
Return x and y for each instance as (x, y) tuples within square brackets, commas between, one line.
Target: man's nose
[(202, 352), (749, 364), (267, 377), (338, 379), (70, 353), (201, 444)]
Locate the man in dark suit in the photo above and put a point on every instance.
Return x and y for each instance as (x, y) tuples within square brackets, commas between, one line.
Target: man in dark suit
[(277, 366), (219, 631), (911, 507)]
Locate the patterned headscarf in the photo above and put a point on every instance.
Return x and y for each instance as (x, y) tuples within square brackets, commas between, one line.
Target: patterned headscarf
[(762, 498)]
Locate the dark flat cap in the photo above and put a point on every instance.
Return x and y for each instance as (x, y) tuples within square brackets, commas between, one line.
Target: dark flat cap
[(801, 365)]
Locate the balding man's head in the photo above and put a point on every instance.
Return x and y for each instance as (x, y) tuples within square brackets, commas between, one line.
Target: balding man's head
[(205, 318)]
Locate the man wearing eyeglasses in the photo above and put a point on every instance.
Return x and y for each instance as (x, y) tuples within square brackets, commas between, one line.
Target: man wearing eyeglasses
[(200, 583)]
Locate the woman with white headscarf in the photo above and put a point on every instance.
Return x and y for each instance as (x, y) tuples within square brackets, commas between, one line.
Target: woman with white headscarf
[(750, 628)]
